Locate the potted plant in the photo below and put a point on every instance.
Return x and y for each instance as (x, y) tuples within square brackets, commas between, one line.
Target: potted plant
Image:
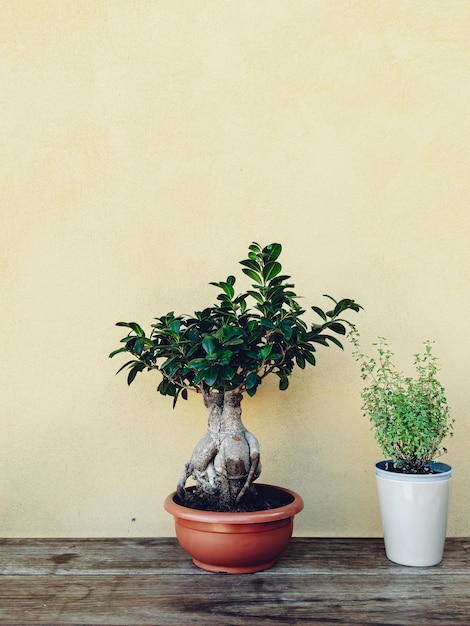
[(224, 352), (410, 419)]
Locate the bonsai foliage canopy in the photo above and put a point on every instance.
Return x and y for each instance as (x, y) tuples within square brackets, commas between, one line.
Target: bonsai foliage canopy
[(229, 346), (225, 351)]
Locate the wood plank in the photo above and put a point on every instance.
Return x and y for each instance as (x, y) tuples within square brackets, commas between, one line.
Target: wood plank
[(247, 600), (128, 556), (140, 581), (82, 556)]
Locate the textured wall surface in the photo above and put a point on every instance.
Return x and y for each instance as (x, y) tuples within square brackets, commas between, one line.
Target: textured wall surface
[(144, 145)]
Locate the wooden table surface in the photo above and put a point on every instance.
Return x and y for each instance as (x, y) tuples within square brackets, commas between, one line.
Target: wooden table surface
[(152, 581)]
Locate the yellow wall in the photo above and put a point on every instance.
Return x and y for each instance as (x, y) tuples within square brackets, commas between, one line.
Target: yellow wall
[(144, 145)]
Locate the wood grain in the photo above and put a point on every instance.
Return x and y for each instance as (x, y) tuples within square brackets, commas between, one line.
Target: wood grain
[(152, 581)]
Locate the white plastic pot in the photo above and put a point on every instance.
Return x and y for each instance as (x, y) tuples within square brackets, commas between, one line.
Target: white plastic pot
[(414, 510)]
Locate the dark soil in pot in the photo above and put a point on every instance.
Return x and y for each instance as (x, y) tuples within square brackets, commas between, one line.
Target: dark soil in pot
[(252, 501), (389, 467)]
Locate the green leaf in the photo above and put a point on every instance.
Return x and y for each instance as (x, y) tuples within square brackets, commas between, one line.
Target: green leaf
[(228, 288), (162, 387), (230, 336), (175, 326), (266, 351), (253, 275), (333, 340), (139, 346), (197, 364), (133, 326), (252, 380), (309, 358), (267, 323), (274, 250), (227, 373), (123, 349), (126, 365), (336, 327), (281, 278), (346, 304), (320, 312), (225, 299), (137, 329), (251, 264), (286, 329), (256, 296), (271, 269), (172, 365), (134, 371), (199, 376), (211, 376), (283, 383), (208, 345)]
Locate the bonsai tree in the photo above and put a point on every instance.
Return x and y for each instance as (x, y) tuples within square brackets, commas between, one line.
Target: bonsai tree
[(409, 416), (224, 352)]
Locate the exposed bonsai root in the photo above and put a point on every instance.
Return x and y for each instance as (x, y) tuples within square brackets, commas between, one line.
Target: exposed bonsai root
[(253, 474), (201, 464), (226, 460)]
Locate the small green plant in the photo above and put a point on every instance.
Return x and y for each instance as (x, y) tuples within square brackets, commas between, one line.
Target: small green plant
[(409, 416)]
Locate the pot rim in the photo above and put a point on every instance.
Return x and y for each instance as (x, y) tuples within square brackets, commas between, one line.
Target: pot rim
[(251, 517), (443, 472)]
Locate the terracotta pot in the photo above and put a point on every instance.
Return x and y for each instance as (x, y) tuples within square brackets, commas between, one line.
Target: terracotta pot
[(236, 543)]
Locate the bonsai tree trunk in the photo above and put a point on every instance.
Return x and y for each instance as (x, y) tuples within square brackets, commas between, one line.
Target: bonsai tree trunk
[(226, 460)]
